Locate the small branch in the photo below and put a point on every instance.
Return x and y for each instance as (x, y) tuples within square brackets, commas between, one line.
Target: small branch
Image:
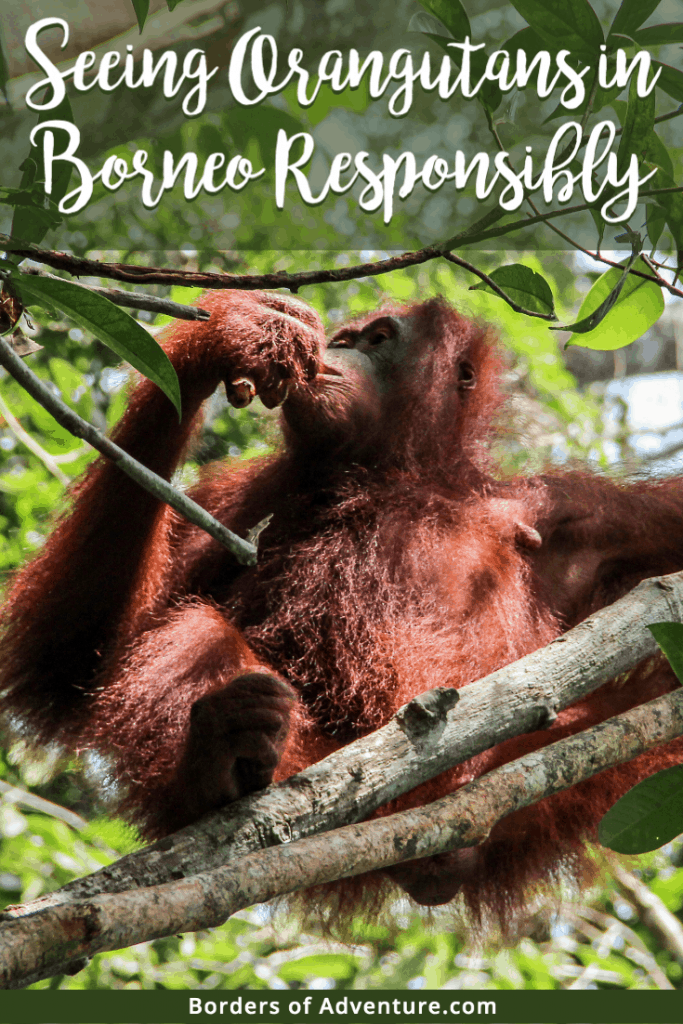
[(80, 266), (243, 551), (653, 913), (660, 280), (492, 129), (22, 435), (601, 930), (663, 453), (517, 225), (38, 945), (599, 258), (482, 230), (279, 280), (136, 300), (17, 795), (672, 113)]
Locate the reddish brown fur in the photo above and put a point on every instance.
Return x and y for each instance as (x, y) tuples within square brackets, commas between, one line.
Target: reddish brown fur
[(395, 562)]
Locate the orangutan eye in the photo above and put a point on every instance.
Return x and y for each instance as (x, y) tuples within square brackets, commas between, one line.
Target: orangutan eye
[(343, 341), (379, 332)]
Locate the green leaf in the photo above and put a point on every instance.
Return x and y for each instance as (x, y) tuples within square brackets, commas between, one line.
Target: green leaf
[(246, 124), (527, 40), (573, 22), (636, 126), (107, 322), (669, 636), (600, 98), (653, 35), (648, 816), (141, 8), (655, 154), (618, 309), (631, 15), (489, 95), (523, 285), (322, 965), (452, 14), (670, 80), (656, 222), (31, 224)]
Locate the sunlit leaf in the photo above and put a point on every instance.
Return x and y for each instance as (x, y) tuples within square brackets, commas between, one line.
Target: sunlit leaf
[(617, 310), (107, 322)]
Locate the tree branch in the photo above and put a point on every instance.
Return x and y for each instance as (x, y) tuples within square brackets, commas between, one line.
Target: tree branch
[(79, 266), (40, 944), (137, 300), (427, 736), (243, 550)]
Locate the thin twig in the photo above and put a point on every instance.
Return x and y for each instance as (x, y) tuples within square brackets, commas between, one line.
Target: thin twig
[(662, 117), (16, 795), (653, 912), (79, 266), (599, 258), (22, 435), (664, 453)]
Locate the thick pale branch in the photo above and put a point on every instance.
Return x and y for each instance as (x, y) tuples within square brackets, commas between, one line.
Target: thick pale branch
[(39, 944), (425, 738)]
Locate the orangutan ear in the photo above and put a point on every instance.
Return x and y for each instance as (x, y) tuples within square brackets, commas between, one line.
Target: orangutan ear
[(466, 376)]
